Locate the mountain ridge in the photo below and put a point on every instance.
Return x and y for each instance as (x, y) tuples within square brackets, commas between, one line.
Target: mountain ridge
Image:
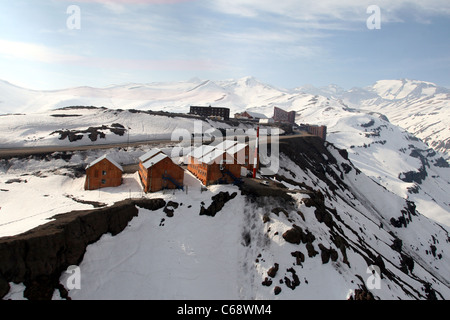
[(420, 107)]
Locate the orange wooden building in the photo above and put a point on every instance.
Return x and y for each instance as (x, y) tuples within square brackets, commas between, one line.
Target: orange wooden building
[(103, 172), (240, 152), (157, 171), (212, 165)]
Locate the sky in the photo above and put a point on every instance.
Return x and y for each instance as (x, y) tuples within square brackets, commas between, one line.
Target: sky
[(56, 44)]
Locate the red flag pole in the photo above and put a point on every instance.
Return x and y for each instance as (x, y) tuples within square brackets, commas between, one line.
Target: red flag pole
[(255, 160)]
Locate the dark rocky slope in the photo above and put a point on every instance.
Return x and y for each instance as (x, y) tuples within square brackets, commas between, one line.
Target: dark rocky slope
[(384, 230)]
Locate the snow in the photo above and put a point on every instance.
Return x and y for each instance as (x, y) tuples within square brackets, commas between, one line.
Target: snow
[(186, 258), (154, 160), (109, 158), (149, 154), (189, 256), (382, 151), (417, 106)]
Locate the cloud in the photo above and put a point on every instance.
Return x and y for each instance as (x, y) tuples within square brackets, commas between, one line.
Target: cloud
[(151, 64), (130, 2), (121, 6), (35, 52), (41, 53), (313, 11)]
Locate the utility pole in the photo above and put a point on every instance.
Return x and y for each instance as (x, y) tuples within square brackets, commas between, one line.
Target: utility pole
[(255, 160), (128, 138)]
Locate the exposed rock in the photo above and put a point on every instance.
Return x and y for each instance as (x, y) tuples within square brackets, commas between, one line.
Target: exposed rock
[(311, 251), (380, 264), (399, 222), (430, 292), (277, 211), (293, 235), (150, 204), (297, 235), (4, 286), (299, 257), (217, 204), (342, 244), (172, 204), (168, 212), (346, 167), (170, 208), (276, 290), (93, 132), (397, 245), (414, 176), (273, 271), (406, 263), (326, 254), (362, 294), (292, 284), (301, 214), (267, 282), (247, 238), (441, 162)]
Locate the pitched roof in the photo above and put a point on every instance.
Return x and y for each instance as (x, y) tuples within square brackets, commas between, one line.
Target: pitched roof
[(154, 160), (210, 157), (149, 154), (257, 115), (236, 148), (225, 144), (201, 151), (209, 154), (107, 157)]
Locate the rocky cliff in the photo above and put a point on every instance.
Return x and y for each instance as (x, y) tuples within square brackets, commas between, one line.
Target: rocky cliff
[(38, 257)]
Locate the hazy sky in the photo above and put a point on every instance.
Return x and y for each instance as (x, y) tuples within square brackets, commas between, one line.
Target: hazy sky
[(53, 44)]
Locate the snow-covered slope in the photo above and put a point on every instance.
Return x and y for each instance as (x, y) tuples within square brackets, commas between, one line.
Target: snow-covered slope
[(422, 108), (91, 126), (317, 232), (171, 96), (387, 153), (393, 157)]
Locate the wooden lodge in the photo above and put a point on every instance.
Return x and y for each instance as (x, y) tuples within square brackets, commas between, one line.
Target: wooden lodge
[(213, 165), (103, 172), (157, 171), (240, 153)]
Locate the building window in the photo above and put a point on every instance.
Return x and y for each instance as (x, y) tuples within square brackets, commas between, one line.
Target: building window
[(103, 173), (103, 181)]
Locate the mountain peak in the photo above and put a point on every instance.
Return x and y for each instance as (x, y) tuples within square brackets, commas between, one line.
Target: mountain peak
[(403, 88), (248, 81)]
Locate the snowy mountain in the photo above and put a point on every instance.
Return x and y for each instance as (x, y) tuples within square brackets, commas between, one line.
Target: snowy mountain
[(173, 97), (393, 157), (422, 108), (374, 197), (381, 148), (321, 229)]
